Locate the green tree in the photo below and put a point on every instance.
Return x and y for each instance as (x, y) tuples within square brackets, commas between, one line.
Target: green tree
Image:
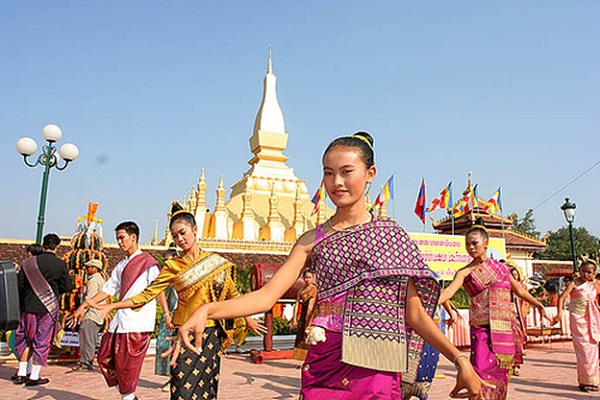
[(559, 244), (525, 224)]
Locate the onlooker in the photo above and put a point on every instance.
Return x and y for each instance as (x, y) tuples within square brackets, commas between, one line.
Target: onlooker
[(304, 309), (92, 320), (41, 280)]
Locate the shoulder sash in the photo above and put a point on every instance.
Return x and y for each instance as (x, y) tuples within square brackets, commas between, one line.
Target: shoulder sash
[(133, 270)]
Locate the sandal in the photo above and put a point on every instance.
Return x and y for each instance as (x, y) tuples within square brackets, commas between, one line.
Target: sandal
[(583, 388), (593, 388)]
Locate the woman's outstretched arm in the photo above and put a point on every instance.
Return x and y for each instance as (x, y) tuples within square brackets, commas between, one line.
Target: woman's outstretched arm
[(453, 287), (525, 295)]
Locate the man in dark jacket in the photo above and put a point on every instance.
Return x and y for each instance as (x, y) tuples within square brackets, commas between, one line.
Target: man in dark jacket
[(42, 280)]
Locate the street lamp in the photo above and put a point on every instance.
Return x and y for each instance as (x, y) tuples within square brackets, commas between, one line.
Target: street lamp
[(569, 210), (48, 158)]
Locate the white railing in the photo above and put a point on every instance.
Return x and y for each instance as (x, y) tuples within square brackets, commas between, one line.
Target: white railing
[(459, 334)]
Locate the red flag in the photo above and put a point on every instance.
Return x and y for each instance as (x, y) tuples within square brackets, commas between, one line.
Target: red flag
[(420, 208)]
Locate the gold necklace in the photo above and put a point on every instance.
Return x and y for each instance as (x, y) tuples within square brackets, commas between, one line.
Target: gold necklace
[(348, 227)]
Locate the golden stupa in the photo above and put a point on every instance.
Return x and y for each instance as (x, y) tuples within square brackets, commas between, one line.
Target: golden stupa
[(269, 207)]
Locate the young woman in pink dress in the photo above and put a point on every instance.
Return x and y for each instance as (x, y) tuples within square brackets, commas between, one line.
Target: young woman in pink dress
[(584, 318)]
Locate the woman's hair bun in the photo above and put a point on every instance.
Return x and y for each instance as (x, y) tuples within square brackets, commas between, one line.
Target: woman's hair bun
[(365, 136), (175, 207)]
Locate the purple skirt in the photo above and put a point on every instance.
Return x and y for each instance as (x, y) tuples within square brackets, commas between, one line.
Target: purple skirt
[(484, 363), (325, 376)]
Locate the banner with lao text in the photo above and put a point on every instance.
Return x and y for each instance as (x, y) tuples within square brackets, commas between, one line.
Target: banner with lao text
[(445, 254)]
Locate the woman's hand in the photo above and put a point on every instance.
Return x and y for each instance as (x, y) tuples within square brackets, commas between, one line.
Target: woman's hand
[(193, 326), (169, 323), (255, 326), (468, 384), (449, 322), (173, 351), (544, 314), (104, 308)]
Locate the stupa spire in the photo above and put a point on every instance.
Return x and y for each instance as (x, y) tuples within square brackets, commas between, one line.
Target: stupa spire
[(270, 116)]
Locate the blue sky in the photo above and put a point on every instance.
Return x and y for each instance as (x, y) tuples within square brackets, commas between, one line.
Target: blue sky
[(151, 92)]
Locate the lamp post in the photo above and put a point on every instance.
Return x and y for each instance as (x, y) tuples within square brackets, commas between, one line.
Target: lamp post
[(48, 158), (568, 209)]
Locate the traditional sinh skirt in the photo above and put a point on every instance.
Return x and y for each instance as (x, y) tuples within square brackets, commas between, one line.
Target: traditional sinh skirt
[(586, 350), (300, 346), (485, 364), (326, 377), (197, 377)]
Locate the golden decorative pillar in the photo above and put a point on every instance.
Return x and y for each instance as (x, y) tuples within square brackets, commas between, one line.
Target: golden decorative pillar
[(219, 221), (201, 214), (297, 228), (274, 230), (246, 227)]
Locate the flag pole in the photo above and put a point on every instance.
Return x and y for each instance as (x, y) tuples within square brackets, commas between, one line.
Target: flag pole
[(501, 210), (451, 205), (394, 195)]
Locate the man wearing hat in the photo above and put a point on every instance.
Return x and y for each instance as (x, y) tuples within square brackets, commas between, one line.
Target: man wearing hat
[(92, 320)]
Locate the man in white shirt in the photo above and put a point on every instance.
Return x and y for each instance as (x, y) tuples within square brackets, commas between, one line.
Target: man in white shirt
[(124, 346)]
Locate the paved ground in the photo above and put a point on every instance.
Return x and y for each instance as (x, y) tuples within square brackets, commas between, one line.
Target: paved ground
[(549, 373)]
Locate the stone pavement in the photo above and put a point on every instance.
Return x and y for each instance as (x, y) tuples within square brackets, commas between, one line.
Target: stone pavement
[(549, 373)]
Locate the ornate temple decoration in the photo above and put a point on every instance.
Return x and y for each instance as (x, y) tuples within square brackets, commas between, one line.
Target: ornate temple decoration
[(269, 206)]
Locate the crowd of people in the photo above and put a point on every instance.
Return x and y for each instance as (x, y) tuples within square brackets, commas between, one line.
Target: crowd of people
[(369, 316)]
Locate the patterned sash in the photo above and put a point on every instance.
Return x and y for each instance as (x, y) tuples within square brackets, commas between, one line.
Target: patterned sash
[(587, 290), (373, 263), (134, 268), (40, 285), (207, 266), (42, 290), (494, 277), (213, 276)]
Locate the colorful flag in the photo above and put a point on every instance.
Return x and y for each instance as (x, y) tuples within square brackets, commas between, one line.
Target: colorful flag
[(475, 196), (462, 207), (444, 201), (388, 189), (378, 202), (318, 198), (386, 193), (495, 203), (420, 208), (467, 203)]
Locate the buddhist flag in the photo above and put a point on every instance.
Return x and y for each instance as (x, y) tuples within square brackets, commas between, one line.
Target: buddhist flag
[(378, 202), (462, 207), (467, 203), (388, 189), (444, 201), (318, 198), (420, 208), (475, 197), (386, 193), (494, 204)]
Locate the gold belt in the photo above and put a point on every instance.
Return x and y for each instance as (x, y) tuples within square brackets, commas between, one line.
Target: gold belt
[(326, 309)]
